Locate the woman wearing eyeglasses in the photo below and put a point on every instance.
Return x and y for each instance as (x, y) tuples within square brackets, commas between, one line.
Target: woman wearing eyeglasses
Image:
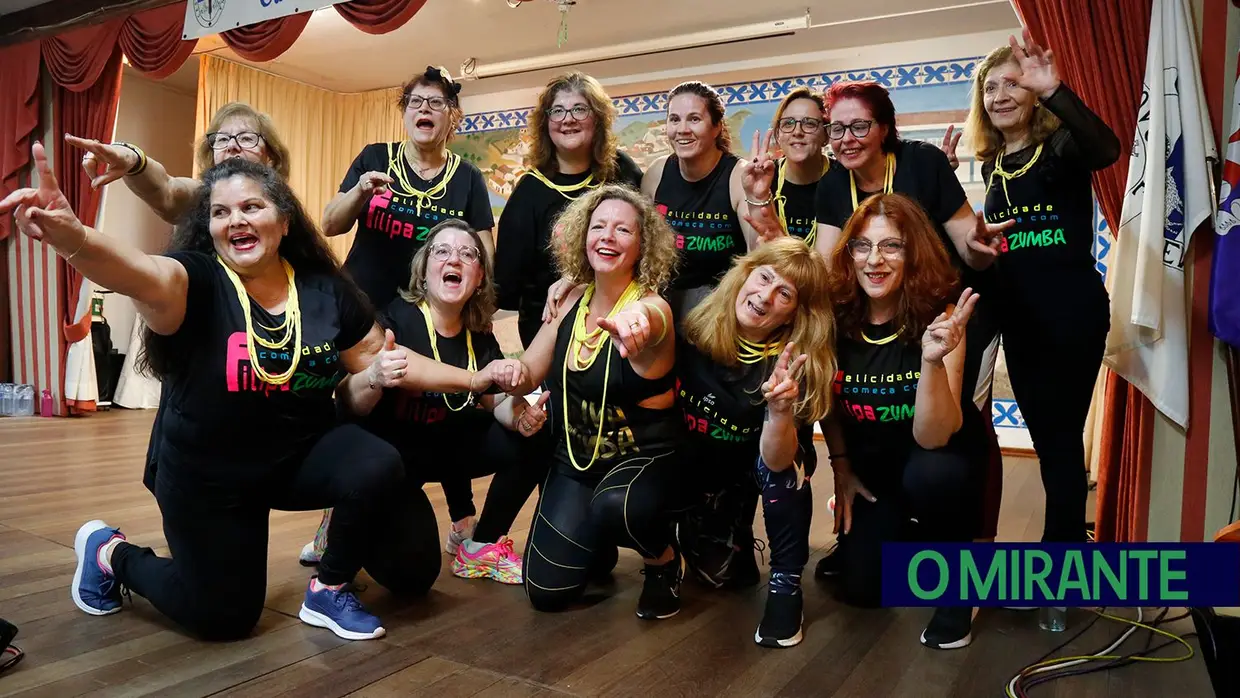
[(801, 134), (397, 192), (236, 131), (905, 438), (574, 151)]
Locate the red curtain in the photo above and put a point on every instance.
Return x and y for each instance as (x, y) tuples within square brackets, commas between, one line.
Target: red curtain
[(19, 116), (90, 113), (1100, 48), (379, 16), (152, 41), (266, 40)]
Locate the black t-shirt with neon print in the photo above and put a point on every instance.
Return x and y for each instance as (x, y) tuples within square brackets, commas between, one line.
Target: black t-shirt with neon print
[(392, 227), (708, 232), (217, 420), (1048, 264)]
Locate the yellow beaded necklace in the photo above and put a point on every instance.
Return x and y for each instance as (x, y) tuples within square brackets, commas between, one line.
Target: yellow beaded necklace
[(401, 185), (889, 178), (565, 189), (780, 199), (291, 326), (1006, 176), (469, 348)]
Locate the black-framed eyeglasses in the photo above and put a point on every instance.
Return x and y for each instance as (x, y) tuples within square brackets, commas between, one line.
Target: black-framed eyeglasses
[(246, 140), (435, 103), (580, 112), (889, 249), (808, 124), (859, 128), (442, 252)]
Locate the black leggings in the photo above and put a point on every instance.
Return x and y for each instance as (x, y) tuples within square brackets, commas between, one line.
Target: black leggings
[(215, 583), (1053, 382), (940, 489), (630, 507), (516, 461)]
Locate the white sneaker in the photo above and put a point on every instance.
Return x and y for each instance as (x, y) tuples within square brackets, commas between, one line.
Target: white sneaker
[(458, 533)]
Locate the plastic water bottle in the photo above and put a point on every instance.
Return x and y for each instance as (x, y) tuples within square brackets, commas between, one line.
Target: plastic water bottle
[(1053, 618), (7, 399), (46, 408), (23, 400)]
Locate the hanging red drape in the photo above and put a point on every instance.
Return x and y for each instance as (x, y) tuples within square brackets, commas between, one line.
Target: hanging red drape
[(1100, 48), (152, 41), (19, 116), (379, 16), (90, 113), (266, 40)]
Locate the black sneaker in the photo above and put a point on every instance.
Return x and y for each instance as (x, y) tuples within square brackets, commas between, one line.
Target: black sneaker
[(743, 571), (661, 592), (830, 565), (781, 622), (950, 628)]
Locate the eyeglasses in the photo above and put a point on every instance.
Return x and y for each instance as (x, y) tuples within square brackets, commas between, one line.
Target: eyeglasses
[(859, 128), (889, 249), (808, 124), (435, 103), (246, 140), (442, 251), (580, 113)]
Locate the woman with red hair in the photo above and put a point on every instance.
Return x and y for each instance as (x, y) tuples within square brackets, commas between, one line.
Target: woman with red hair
[(907, 445)]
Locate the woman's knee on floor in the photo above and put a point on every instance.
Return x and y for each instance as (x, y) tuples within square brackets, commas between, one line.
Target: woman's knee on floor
[(637, 522), (221, 616), (941, 480)]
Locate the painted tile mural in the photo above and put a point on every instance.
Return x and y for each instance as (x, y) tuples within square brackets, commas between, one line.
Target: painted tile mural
[(495, 142)]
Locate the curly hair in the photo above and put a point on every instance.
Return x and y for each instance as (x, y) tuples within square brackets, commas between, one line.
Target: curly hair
[(988, 140), (657, 257), (277, 152), (929, 277), (714, 106), (439, 78), (876, 98), (603, 151), (303, 247), (476, 315), (712, 325)]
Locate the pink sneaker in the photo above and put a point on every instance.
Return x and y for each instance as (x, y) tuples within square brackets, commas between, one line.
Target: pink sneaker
[(495, 560)]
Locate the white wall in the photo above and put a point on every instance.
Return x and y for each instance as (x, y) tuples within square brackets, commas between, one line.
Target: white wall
[(159, 119)]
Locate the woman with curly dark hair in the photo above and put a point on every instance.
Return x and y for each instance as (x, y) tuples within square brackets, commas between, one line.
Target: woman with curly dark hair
[(250, 325), (573, 151), (607, 361), (904, 435)]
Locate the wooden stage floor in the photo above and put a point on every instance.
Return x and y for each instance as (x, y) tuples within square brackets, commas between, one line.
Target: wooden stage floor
[(475, 637)]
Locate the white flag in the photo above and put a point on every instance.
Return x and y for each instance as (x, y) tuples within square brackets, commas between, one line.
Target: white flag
[(1167, 197), (205, 17)]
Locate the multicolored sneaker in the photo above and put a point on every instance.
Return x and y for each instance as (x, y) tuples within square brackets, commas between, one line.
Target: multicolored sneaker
[(95, 590), (460, 532), (339, 610), (497, 561)]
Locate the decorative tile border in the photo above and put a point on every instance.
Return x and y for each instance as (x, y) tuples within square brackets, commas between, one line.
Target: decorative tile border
[(1006, 414), (894, 77)]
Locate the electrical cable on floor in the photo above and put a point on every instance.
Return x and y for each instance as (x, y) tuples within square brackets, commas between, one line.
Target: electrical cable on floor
[(1048, 670)]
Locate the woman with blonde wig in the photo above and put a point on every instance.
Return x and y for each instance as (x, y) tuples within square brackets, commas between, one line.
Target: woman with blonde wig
[(754, 367), (573, 151), (607, 361)]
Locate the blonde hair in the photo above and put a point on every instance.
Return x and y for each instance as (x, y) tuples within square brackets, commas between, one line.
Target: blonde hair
[(988, 140), (476, 315), (277, 152), (801, 92), (657, 256), (603, 152), (712, 326)]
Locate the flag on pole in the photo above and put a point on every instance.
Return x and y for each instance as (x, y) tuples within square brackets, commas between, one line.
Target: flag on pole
[(1167, 197), (1225, 279)]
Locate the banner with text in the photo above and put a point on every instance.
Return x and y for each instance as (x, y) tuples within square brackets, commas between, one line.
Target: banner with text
[(205, 17)]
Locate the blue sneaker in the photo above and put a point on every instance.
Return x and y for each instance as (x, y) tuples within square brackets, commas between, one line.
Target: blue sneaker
[(339, 611), (94, 591)]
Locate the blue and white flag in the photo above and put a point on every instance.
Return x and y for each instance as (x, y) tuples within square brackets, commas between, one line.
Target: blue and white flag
[(1225, 280), (1167, 197), (206, 17)]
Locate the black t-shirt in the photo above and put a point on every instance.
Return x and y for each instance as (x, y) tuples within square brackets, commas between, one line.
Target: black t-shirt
[(800, 209), (524, 264), (627, 429), (220, 424), (391, 227), (922, 174), (708, 232), (875, 400), (1048, 266), (723, 409), (412, 421)]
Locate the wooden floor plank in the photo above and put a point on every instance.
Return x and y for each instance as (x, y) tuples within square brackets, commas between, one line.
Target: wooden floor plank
[(470, 637)]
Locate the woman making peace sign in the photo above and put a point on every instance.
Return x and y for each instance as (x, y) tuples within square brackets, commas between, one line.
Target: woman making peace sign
[(904, 436)]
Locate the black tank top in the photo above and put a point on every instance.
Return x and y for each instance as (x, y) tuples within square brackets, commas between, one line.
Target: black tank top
[(627, 428), (708, 233)]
